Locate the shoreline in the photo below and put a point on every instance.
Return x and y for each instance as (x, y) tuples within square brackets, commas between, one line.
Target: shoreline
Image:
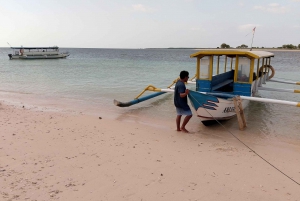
[(58, 155), (140, 116)]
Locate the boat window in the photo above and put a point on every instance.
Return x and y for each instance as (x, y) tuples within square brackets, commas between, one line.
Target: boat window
[(244, 70), (216, 65), (223, 64), (229, 63), (204, 68)]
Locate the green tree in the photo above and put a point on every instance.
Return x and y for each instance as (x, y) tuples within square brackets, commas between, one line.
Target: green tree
[(289, 46), (224, 45), (299, 46), (242, 46)]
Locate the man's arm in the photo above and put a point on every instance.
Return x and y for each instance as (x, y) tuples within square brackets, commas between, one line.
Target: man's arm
[(182, 95)]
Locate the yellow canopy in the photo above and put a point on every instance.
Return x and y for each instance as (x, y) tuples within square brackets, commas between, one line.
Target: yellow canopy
[(231, 52)]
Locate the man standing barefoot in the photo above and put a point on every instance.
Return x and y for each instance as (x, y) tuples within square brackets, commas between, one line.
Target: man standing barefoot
[(180, 102)]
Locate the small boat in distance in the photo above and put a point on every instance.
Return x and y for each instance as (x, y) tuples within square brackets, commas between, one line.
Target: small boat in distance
[(37, 53)]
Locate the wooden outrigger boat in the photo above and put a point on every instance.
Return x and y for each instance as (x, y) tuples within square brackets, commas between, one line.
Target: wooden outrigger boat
[(37, 53), (222, 75)]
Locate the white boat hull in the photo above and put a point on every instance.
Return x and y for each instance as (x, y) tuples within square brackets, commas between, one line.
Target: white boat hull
[(37, 53), (225, 110), (56, 56), (210, 108)]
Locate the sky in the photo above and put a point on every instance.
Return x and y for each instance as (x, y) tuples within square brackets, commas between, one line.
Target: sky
[(149, 23)]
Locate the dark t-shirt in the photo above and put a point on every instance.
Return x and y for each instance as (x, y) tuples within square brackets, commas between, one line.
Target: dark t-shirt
[(178, 101)]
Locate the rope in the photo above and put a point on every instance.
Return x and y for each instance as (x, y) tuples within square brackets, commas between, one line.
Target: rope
[(247, 145)]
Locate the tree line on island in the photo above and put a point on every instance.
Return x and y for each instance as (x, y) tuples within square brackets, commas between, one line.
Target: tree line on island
[(287, 46)]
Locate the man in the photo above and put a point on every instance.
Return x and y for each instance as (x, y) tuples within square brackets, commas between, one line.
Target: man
[(180, 101)]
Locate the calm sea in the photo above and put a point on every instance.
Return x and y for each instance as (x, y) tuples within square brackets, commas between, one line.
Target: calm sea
[(90, 79)]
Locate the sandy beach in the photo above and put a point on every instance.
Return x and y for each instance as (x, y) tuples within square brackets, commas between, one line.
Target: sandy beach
[(47, 155)]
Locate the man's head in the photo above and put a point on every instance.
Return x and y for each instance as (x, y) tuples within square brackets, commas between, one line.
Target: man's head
[(184, 75)]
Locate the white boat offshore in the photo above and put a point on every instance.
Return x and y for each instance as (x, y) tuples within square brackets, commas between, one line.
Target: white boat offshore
[(37, 53)]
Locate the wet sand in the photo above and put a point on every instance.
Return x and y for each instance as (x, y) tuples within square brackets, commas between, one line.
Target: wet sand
[(50, 155)]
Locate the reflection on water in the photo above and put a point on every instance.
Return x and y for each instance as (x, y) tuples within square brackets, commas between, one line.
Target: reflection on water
[(257, 115)]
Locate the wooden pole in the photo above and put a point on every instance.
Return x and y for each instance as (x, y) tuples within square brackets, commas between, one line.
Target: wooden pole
[(225, 64), (252, 38), (239, 112), (218, 65)]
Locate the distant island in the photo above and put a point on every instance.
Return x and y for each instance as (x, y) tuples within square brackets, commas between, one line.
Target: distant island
[(243, 46)]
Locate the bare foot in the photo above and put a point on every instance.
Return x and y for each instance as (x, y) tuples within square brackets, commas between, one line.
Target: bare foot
[(184, 130), (178, 130)]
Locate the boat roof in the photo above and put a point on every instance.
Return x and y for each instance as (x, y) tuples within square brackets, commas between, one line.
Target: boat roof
[(233, 53), (30, 48)]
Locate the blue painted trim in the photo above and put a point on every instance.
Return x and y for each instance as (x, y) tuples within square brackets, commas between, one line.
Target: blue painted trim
[(243, 89), (202, 100), (203, 85)]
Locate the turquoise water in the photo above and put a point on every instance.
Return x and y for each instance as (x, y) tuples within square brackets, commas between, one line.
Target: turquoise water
[(89, 79)]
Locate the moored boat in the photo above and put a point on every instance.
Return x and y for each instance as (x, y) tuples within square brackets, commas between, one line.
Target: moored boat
[(222, 75), (37, 53)]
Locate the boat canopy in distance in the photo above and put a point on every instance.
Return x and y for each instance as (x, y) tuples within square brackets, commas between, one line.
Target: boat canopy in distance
[(233, 53), (34, 48)]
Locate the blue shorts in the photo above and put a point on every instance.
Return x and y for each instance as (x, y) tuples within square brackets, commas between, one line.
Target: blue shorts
[(181, 111)]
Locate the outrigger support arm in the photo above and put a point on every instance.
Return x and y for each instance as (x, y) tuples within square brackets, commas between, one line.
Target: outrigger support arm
[(138, 99), (135, 101), (148, 88), (279, 89), (174, 82), (265, 100), (190, 81), (283, 81), (159, 91)]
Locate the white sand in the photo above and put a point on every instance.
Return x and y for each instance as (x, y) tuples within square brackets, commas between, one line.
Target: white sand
[(58, 156)]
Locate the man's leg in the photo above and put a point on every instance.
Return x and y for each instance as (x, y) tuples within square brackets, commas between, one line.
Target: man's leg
[(178, 118), (185, 121)]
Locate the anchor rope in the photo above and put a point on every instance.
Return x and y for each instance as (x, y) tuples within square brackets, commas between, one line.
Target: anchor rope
[(246, 144)]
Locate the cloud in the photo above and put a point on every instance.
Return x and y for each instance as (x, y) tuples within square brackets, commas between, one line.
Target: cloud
[(248, 27), (195, 29), (241, 3), (141, 8), (273, 8), (295, 0)]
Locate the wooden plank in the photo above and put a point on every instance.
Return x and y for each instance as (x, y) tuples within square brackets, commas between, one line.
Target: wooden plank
[(239, 112)]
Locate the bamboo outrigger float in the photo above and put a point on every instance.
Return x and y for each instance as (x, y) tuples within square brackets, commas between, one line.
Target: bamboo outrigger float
[(217, 83)]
